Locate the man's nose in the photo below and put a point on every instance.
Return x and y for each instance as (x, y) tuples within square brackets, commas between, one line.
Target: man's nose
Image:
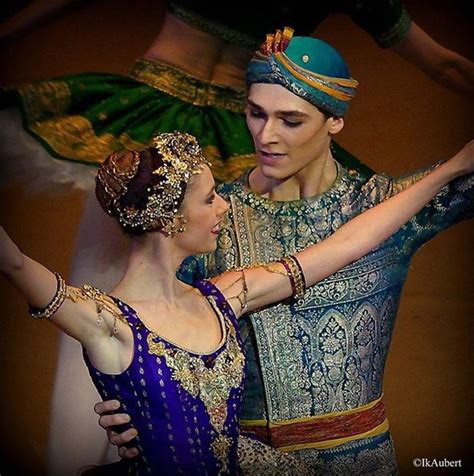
[(267, 133)]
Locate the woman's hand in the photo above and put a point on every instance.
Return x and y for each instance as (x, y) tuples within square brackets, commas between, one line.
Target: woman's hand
[(463, 162)]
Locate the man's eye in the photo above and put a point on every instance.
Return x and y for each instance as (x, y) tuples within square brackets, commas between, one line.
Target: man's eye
[(256, 113), (291, 123), (211, 199)]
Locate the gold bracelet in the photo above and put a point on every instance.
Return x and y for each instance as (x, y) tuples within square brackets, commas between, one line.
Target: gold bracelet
[(55, 303), (296, 277), (300, 272), (292, 269)]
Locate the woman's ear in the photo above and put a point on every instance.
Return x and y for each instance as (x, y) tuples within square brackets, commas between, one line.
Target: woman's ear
[(335, 124)]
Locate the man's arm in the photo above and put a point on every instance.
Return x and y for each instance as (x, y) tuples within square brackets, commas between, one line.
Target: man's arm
[(441, 64), (391, 26), (36, 13)]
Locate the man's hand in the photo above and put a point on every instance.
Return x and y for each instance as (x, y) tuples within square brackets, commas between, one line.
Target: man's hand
[(111, 422)]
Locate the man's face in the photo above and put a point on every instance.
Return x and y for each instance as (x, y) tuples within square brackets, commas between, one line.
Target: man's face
[(289, 133)]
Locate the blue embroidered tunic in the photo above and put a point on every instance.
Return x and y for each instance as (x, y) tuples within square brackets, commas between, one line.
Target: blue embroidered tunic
[(185, 406), (327, 354)]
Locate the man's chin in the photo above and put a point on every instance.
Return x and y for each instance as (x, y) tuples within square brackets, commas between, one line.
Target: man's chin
[(272, 172)]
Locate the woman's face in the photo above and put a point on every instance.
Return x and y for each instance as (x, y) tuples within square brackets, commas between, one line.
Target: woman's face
[(203, 210), (289, 133)]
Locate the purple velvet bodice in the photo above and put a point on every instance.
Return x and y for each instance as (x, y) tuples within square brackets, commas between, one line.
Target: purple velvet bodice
[(185, 406)]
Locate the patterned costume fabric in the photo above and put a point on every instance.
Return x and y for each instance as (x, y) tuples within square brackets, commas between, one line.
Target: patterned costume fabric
[(326, 357), (85, 117), (185, 406)]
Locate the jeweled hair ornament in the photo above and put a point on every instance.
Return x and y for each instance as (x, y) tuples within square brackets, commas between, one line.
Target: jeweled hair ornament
[(308, 67), (181, 158)]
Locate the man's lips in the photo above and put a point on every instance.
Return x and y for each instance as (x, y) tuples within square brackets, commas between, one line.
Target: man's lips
[(269, 158), (216, 229)]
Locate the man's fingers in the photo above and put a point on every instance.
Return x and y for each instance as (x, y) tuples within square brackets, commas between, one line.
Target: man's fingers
[(119, 439), (127, 453), (109, 421), (106, 407)]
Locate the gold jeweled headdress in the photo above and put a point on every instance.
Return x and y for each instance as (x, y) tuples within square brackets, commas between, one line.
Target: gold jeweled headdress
[(181, 158)]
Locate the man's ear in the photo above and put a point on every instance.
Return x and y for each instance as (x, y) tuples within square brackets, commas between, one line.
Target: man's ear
[(335, 124)]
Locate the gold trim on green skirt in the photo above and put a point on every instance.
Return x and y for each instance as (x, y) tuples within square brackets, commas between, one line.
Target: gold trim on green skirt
[(188, 88)]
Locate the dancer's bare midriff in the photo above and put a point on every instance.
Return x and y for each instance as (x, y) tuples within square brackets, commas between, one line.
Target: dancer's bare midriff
[(199, 54)]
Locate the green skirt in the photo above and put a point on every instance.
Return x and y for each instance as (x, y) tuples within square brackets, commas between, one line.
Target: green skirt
[(85, 117)]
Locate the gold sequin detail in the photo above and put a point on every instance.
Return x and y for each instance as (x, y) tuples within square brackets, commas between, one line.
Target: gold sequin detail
[(211, 385), (101, 300), (220, 447)]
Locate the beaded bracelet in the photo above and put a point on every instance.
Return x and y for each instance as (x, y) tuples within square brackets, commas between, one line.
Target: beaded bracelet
[(300, 272), (295, 275), (284, 262), (55, 303)]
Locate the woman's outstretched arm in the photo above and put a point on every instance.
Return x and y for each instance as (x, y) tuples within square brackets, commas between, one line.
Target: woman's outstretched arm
[(39, 286), (257, 287)]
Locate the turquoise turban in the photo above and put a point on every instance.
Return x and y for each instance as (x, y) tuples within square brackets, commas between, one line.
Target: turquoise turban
[(307, 67)]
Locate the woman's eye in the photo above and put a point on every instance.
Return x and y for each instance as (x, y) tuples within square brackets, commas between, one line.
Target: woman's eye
[(211, 199)]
